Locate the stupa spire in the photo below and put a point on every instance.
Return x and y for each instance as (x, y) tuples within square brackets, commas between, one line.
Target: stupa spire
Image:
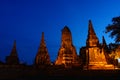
[(104, 44), (13, 58), (14, 50), (103, 41), (42, 56), (91, 30), (92, 39), (42, 42)]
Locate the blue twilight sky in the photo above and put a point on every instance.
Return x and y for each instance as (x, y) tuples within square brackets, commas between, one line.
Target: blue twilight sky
[(25, 20)]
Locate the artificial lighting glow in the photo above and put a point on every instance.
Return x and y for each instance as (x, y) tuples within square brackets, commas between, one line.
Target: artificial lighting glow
[(118, 60)]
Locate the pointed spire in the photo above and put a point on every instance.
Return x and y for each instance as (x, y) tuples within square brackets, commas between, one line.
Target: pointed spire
[(14, 51), (103, 41), (42, 40), (104, 44), (42, 43), (92, 39), (91, 30), (13, 58), (42, 56), (14, 44)]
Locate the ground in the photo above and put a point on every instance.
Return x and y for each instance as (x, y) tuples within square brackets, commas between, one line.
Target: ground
[(56, 73)]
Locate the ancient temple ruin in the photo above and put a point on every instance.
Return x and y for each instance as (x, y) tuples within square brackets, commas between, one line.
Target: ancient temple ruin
[(13, 58), (42, 57), (67, 53), (115, 54), (94, 54)]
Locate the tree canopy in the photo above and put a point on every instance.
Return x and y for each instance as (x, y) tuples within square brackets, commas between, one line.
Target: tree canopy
[(114, 29)]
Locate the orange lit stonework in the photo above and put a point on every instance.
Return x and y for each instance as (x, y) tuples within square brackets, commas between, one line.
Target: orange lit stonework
[(67, 53), (42, 57), (94, 53)]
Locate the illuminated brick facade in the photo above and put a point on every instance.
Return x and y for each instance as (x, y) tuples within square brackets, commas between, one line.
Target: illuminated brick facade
[(94, 54), (67, 53), (42, 57)]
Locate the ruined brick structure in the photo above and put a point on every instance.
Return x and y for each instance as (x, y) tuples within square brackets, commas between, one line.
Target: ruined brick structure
[(94, 54), (42, 57), (13, 58), (67, 53)]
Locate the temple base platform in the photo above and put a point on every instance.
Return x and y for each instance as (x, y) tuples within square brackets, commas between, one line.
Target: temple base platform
[(99, 67)]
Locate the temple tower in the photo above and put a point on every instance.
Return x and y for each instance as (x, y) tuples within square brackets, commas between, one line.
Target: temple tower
[(95, 54), (106, 50), (42, 57), (67, 53), (92, 39), (104, 44), (13, 58)]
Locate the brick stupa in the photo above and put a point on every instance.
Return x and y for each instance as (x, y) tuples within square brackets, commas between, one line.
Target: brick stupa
[(94, 53), (13, 58), (67, 53), (42, 57)]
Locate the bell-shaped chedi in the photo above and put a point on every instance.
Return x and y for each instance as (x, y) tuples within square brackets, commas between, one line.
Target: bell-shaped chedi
[(42, 57), (13, 58), (67, 53)]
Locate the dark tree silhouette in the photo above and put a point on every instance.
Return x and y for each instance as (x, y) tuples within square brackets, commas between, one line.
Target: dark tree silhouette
[(113, 46), (114, 29)]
